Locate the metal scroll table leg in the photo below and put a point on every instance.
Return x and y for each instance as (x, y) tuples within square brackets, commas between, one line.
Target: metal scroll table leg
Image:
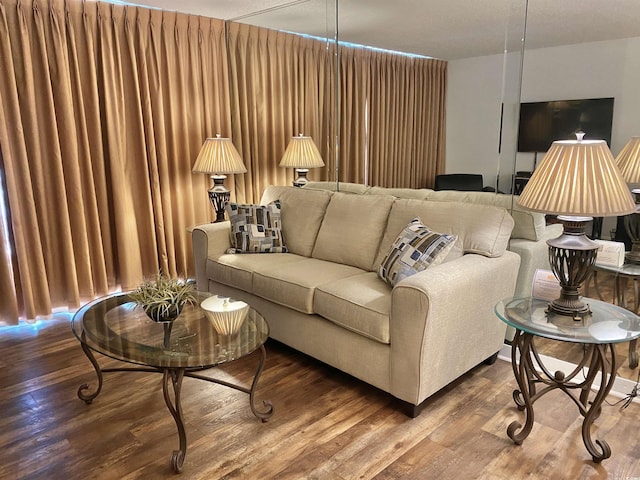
[(174, 377), (633, 344), (607, 370), (88, 398), (633, 354), (262, 415), (522, 397), (594, 360)]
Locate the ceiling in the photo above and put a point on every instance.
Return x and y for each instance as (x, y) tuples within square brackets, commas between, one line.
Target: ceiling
[(446, 29)]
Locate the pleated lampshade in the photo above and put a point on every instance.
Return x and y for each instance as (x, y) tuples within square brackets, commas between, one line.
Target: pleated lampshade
[(301, 153), (218, 155), (578, 178), (628, 161)]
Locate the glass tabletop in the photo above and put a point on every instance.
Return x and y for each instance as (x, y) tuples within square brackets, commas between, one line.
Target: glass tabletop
[(117, 327), (627, 269), (607, 323)]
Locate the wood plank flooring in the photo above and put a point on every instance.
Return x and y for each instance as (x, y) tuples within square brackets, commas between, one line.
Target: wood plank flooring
[(326, 425)]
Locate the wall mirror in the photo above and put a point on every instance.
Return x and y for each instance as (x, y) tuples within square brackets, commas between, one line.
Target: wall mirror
[(484, 58), (533, 51), (570, 52), (589, 52), (285, 92)]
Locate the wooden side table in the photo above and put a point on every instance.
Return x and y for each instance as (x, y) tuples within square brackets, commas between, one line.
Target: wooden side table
[(607, 325)]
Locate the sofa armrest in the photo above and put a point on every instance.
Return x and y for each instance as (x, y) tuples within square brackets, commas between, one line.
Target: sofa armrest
[(208, 240), (533, 255), (443, 323)]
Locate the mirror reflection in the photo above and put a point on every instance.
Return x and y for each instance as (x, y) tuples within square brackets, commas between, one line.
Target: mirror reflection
[(407, 80), (566, 57), (584, 70), (570, 53)]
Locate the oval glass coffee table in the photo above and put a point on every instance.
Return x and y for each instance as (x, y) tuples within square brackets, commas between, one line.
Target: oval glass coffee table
[(598, 332), (115, 327)]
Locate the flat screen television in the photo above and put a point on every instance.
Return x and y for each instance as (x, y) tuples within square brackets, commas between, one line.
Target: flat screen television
[(542, 123)]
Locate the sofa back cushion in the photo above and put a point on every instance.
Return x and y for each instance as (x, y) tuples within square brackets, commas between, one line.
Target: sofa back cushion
[(480, 229), (352, 229), (528, 225), (417, 193), (344, 187), (301, 211)]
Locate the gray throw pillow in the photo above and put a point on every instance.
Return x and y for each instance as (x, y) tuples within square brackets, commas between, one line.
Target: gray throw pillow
[(415, 249), (256, 228)]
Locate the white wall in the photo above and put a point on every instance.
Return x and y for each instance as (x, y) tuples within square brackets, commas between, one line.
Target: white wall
[(474, 93), (588, 70)]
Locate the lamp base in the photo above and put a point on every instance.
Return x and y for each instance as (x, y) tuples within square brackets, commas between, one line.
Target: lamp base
[(571, 256), (301, 181), (632, 227), (634, 255), (219, 195)]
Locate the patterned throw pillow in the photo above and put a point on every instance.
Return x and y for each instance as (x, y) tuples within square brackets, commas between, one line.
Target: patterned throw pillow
[(256, 228), (415, 249)]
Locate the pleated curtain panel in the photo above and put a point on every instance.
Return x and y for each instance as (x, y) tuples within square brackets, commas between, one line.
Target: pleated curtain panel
[(103, 109)]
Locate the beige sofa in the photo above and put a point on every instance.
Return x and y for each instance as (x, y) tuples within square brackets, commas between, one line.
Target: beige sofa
[(324, 297), (528, 238)]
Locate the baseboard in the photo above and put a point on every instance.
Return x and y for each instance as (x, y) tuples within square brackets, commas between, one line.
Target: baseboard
[(621, 387)]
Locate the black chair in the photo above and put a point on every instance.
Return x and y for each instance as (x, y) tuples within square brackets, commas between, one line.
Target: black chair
[(468, 182), (622, 235), (520, 181)]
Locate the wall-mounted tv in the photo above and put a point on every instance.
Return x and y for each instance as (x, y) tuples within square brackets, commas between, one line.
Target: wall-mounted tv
[(542, 123)]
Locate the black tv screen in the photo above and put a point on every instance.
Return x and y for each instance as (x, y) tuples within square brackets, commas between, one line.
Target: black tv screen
[(542, 123)]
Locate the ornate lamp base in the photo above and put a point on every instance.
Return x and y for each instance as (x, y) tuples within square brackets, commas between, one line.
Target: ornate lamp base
[(219, 196), (301, 181), (634, 255), (632, 226), (571, 257)]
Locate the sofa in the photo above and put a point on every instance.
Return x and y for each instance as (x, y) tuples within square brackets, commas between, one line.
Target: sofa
[(324, 295), (528, 238)]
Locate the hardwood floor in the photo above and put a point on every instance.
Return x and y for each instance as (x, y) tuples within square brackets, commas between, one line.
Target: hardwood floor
[(326, 425)]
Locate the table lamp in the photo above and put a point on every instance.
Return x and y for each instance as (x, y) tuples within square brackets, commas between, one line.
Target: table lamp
[(576, 180), (301, 154), (628, 161), (217, 157)]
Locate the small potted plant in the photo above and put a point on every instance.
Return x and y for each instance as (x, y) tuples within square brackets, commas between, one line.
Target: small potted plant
[(163, 298)]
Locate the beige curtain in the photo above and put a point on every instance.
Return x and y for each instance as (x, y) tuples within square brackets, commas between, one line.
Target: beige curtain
[(103, 109), (354, 87), (392, 110), (281, 86)]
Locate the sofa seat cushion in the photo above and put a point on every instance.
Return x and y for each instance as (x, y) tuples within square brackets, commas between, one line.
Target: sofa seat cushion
[(352, 228), (293, 284), (358, 303), (236, 270)]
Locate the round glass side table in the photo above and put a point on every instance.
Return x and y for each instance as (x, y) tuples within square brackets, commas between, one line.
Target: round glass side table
[(113, 326), (628, 271), (607, 325)]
